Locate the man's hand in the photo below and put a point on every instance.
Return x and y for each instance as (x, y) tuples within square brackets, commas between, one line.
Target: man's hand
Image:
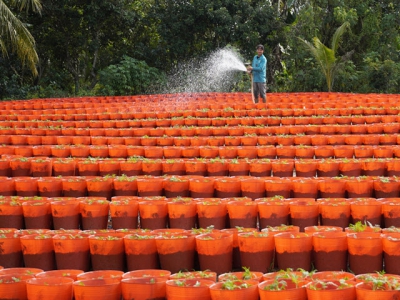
[(249, 69)]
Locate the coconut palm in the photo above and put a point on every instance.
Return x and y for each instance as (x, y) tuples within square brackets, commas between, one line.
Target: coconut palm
[(14, 35), (326, 57)]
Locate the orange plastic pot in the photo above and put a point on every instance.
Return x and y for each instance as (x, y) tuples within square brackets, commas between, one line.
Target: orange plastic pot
[(366, 291), (11, 256), (37, 214), (182, 213), (107, 252), (195, 167), (365, 252), (273, 212), (26, 186), (49, 187), (242, 214), (324, 152), (63, 167), (391, 247), (74, 187), (173, 167), (215, 251), (11, 214), (124, 214), (328, 168), (94, 213), (386, 187), (332, 289), (304, 212), (125, 186), (334, 213), (260, 168), (41, 167), (350, 167), (305, 188), (293, 250), (152, 167), (144, 288), (188, 289), (282, 168), (141, 251), (287, 289), (217, 167), (366, 210), (38, 251), (202, 187), (66, 214), (238, 167), (14, 286), (101, 289), (248, 290), (153, 214), (131, 167), (109, 167), (391, 213), (278, 187), (268, 151), (20, 167), (176, 252), (7, 186), (330, 250), (72, 251), (100, 187), (150, 186), (88, 167), (253, 188), (256, 250), (329, 187), (176, 186), (305, 167), (211, 212)]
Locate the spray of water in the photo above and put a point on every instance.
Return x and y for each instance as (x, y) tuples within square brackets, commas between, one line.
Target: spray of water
[(216, 73)]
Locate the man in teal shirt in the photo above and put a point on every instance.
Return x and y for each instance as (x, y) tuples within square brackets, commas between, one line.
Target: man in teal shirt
[(259, 71)]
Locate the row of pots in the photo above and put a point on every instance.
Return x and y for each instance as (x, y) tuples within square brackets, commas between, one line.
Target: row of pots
[(17, 166), (299, 152), (186, 213), (148, 118), (219, 251), (201, 187), (205, 126), (225, 139), (150, 284)]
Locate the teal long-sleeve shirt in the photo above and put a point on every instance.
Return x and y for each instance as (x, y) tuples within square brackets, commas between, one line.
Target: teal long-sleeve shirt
[(259, 66)]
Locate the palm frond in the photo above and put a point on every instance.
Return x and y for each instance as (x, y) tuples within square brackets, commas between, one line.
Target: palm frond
[(34, 5), (326, 57), (15, 36), (337, 36)]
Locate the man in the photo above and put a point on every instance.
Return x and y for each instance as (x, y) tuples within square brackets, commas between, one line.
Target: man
[(258, 69)]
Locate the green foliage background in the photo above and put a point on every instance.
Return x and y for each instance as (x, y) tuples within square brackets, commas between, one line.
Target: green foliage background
[(127, 47)]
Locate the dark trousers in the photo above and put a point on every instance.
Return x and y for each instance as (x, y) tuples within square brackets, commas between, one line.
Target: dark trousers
[(259, 90)]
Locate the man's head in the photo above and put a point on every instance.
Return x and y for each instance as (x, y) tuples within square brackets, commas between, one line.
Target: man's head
[(260, 49)]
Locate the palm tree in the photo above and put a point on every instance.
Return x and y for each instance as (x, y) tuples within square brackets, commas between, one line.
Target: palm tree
[(15, 36), (326, 57)]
